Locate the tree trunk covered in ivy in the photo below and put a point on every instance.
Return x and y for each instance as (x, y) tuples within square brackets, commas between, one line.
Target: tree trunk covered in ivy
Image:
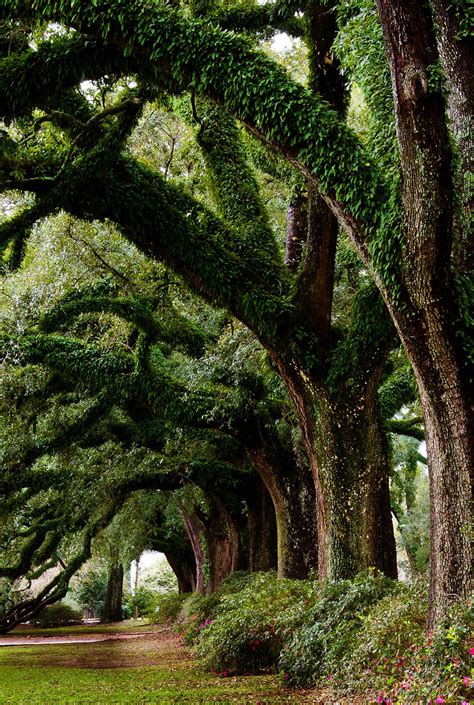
[(428, 329), (262, 529), (112, 611)]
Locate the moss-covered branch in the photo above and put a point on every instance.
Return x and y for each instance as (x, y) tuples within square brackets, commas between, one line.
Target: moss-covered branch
[(251, 86), (407, 427)]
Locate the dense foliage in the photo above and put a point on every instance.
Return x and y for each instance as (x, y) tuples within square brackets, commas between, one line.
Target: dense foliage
[(210, 266)]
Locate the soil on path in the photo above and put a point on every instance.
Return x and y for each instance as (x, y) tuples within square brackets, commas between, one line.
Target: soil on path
[(152, 653), (107, 649)]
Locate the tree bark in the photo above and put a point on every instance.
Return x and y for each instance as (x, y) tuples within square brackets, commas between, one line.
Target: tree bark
[(292, 491), (222, 541), (427, 321), (112, 611), (296, 232), (457, 56), (194, 531), (262, 528), (346, 445)]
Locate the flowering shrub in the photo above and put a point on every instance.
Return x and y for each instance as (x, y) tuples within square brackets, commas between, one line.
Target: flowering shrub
[(199, 610), (386, 632), (248, 632), (363, 637), (329, 631), (167, 607), (435, 668)]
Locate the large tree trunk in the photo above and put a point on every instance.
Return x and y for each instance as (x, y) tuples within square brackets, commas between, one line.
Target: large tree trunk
[(449, 435), (347, 449), (353, 471), (427, 325), (112, 611), (262, 529)]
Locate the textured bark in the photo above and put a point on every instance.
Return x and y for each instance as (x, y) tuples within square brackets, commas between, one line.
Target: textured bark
[(457, 55), (112, 611), (296, 232), (194, 530), (353, 471), (262, 529), (291, 488), (427, 325), (346, 446)]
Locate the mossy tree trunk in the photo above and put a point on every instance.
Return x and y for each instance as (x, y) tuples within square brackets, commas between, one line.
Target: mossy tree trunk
[(112, 611), (347, 447), (428, 320)]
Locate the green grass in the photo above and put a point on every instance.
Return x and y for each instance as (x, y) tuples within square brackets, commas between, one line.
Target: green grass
[(151, 669)]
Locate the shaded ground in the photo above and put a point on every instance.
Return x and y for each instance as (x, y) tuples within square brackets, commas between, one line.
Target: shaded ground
[(136, 665)]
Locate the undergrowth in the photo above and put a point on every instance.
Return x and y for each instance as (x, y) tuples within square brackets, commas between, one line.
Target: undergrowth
[(363, 637)]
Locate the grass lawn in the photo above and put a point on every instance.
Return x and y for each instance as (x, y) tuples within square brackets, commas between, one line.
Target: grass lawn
[(139, 666)]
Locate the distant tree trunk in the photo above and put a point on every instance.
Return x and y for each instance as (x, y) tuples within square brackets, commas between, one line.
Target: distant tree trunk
[(183, 566), (194, 530), (262, 530), (291, 488), (222, 540), (112, 611)]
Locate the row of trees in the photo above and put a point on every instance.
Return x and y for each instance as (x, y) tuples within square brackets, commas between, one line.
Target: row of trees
[(376, 251)]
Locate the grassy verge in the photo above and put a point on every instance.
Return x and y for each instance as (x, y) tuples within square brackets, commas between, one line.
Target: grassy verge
[(152, 668)]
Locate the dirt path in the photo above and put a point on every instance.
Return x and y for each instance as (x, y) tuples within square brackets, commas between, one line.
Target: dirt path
[(32, 640), (142, 665)]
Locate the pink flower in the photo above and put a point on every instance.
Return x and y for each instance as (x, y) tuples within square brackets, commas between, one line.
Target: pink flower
[(471, 651), (467, 681), (440, 700)]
